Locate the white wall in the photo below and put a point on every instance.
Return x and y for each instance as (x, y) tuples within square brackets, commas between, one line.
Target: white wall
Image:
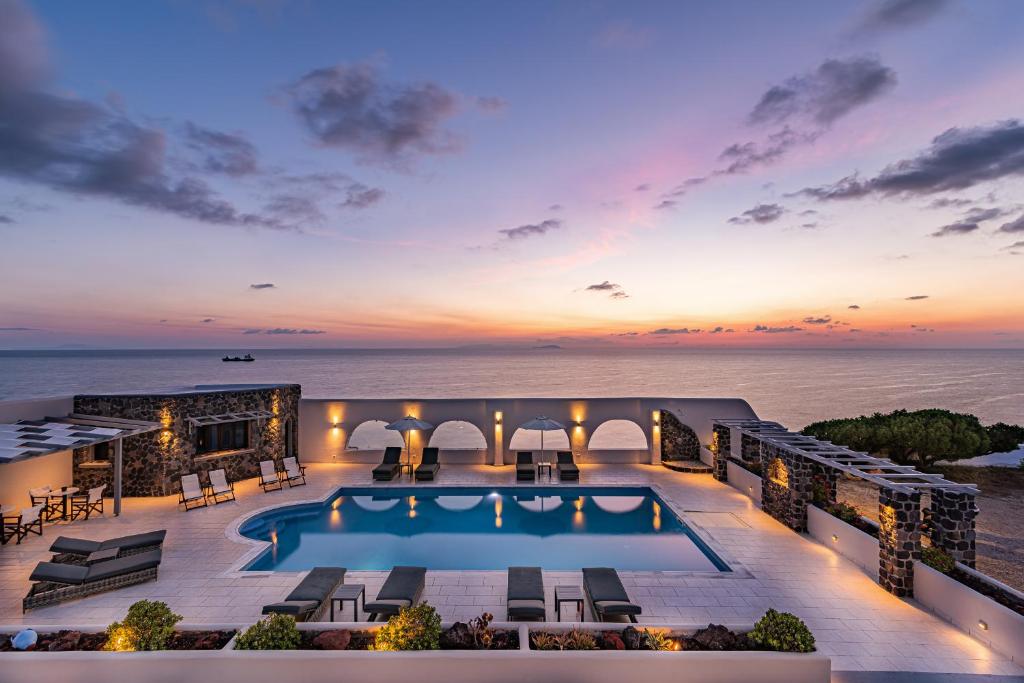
[(320, 441), (55, 469), (748, 483), (851, 542)]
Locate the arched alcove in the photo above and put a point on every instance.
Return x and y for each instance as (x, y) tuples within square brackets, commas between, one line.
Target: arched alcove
[(372, 436), (529, 440), (618, 435), (458, 435)]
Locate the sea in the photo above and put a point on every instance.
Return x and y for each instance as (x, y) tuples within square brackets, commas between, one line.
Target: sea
[(794, 387)]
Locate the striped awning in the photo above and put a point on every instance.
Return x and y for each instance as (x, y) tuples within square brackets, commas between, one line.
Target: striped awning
[(30, 438)]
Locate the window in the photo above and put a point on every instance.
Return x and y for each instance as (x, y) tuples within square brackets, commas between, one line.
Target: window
[(101, 452), (226, 436)]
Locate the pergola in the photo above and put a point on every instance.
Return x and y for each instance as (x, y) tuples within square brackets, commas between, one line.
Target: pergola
[(878, 471), (794, 464), (33, 438)]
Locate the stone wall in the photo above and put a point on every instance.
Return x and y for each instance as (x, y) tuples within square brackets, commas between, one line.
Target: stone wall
[(154, 462), (952, 524), (678, 441), (720, 449)]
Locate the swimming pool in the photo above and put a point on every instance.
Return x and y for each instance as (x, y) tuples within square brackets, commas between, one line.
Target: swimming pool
[(564, 527)]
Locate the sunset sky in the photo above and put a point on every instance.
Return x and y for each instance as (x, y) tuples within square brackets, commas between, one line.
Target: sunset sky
[(249, 174)]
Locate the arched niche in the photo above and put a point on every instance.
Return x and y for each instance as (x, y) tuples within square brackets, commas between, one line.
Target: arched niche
[(618, 435), (372, 436)]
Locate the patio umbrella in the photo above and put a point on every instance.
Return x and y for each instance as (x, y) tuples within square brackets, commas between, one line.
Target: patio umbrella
[(405, 425), (542, 424)]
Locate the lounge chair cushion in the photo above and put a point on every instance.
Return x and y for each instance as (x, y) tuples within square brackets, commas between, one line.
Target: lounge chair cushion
[(614, 607), (525, 583), (80, 546), (59, 573), (292, 607), (75, 546), (318, 584), (403, 583), (387, 606), (526, 609), (123, 565)]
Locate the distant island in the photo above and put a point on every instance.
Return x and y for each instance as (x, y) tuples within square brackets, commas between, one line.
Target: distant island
[(547, 346)]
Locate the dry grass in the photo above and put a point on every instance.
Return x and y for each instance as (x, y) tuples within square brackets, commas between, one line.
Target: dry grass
[(1000, 517)]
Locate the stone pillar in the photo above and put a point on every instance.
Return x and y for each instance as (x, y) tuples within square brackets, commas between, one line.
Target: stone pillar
[(827, 477), (952, 524), (720, 452), (787, 486), (899, 539), (750, 448)]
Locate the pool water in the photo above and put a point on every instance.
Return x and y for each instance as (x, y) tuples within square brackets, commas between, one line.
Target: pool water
[(564, 527)]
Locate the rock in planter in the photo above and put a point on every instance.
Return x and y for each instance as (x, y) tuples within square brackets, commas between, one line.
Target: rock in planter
[(458, 637), (716, 637), (333, 640), (632, 638), (66, 640)]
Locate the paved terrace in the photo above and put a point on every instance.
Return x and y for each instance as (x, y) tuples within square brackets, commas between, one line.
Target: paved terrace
[(858, 624)]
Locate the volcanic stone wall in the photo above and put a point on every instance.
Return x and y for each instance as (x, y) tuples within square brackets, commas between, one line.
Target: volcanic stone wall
[(678, 441), (154, 462)]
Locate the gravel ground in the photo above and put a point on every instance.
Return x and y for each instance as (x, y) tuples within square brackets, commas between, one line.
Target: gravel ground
[(1000, 517)]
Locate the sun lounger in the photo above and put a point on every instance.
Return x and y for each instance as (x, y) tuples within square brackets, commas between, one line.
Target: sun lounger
[(126, 545), (293, 472), (402, 588), (268, 476), (525, 597), (567, 469), (390, 466), (606, 594), (220, 489), (428, 467), (54, 582), (524, 466), (191, 492), (312, 596)]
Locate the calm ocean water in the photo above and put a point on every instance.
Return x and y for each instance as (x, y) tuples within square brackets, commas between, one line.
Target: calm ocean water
[(792, 386)]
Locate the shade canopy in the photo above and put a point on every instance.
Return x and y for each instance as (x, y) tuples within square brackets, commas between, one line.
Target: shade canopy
[(542, 424), (408, 424)]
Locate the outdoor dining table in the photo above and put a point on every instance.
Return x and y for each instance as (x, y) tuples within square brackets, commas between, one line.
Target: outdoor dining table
[(64, 492)]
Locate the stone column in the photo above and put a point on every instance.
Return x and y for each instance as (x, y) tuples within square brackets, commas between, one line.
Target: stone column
[(750, 448), (720, 452), (952, 524), (899, 539), (829, 477), (787, 486)]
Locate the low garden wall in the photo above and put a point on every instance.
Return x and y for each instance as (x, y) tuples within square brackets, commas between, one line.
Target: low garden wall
[(747, 482), (434, 666), (985, 619), (849, 541)]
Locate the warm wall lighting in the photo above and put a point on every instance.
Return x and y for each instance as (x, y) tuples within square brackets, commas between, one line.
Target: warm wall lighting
[(656, 417), (835, 539), (497, 417), (983, 625)]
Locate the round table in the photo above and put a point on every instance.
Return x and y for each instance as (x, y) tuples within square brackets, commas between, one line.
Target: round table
[(64, 493)]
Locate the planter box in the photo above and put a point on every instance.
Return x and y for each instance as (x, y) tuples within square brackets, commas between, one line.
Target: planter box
[(967, 608), (850, 542), (748, 483), (437, 666)]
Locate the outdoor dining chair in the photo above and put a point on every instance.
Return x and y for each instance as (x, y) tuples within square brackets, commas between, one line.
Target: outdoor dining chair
[(88, 503)]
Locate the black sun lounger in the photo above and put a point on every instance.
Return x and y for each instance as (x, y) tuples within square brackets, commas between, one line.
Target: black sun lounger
[(428, 467), (311, 597), (389, 467), (525, 597), (607, 595), (126, 545), (567, 469), (524, 466), (54, 582), (402, 588)]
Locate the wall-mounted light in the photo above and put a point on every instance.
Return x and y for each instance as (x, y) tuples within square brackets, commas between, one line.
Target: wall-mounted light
[(835, 539), (656, 417), (983, 625), (497, 417)]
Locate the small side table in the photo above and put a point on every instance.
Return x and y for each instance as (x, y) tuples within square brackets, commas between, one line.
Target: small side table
[(101, 555), (405, 467), (541, 466), (348, 592), (569, 594)]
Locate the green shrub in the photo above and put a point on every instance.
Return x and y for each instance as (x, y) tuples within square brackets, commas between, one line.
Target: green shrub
[(575, 639), (414, 628), (276, 632), (1004, 437), (937, 559), (545, 640), (147, 626), (782, 632)]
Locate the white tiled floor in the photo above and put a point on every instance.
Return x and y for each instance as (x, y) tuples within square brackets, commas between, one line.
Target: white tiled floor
[(854, 621)]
